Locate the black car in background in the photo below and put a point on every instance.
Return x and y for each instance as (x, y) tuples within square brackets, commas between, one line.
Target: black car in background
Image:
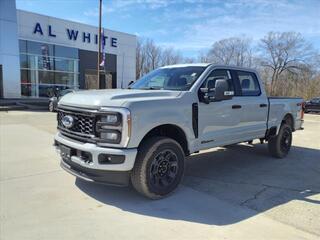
[(53, 101), (312, 106)]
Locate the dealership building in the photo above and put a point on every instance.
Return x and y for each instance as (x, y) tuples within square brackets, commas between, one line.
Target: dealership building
[(40, 54)]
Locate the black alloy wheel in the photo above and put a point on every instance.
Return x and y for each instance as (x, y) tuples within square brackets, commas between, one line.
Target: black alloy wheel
[(286, 140), (279, 145), (164, 169), (159, 167)]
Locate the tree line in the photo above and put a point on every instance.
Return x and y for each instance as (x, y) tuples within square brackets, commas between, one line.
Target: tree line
[(287, 63)]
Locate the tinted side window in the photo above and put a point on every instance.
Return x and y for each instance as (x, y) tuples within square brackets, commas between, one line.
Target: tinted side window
[(218, 74), (249, 83)]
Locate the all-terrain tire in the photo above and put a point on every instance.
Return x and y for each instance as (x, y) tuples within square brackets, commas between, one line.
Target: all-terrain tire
[(158, 156), (279, 145)]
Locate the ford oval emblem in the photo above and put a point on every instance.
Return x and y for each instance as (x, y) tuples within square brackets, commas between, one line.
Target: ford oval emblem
[(67, 121)]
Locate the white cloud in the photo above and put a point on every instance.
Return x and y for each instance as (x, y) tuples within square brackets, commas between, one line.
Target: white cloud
[(126, 5), (249, 18), (193, 25)]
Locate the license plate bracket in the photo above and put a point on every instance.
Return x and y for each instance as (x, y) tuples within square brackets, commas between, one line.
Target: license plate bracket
[(65, 152)]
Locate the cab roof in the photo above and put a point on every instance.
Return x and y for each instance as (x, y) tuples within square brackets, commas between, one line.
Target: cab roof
[(188, 65), (210, 64)]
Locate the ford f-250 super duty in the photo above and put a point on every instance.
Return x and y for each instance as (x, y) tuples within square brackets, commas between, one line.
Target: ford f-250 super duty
[(143, 134)]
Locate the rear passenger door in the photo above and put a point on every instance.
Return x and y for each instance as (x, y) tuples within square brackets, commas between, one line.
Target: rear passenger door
[(254, 105)]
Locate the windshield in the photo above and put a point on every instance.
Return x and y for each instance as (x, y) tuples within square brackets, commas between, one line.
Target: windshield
[(64, 92), (178, 78)]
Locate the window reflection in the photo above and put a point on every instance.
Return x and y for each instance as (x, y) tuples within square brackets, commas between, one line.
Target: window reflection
[(45, 67), (66, 52), (40, 48), (28, 90), (64, 65), (64, 78), (46, 77)]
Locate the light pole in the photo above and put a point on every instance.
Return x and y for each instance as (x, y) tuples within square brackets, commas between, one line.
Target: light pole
[(99, 43)]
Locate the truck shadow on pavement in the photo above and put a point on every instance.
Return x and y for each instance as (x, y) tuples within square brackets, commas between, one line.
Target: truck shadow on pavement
[(225, 186)]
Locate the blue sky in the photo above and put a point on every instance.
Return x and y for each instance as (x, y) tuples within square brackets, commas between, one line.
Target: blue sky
[(190, 26)]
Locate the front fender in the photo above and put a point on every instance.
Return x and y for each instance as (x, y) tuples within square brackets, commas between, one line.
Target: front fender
[(149, 115)]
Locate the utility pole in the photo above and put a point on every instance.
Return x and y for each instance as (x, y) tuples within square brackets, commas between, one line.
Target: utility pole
[(99, 42)]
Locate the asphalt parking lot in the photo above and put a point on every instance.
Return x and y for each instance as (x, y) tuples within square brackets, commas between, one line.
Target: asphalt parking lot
[(239, 192)]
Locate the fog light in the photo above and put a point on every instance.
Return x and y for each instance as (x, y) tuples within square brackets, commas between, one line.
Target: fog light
[(110, 159)]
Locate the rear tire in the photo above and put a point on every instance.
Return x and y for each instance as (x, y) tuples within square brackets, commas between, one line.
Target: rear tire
[(159, 167), (279, 145)]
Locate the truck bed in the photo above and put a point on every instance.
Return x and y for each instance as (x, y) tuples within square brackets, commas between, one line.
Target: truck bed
[(279, 106)]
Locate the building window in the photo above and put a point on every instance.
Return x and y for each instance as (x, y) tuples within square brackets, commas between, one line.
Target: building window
[(46, 68), (23, 46), (65, 65), (66, 52)]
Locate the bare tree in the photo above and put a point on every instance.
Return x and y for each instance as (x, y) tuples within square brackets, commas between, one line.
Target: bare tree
[(203, 57), (287, 64), (282, 52), (140, 58), (150, 56), (189, 60), (153, 53), (231, 51), (170, 56)]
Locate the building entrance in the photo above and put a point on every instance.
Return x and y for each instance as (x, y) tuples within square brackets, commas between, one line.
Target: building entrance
[(91, 80)]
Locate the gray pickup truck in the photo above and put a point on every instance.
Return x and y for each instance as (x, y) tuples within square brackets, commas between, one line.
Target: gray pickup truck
[(143, 134)]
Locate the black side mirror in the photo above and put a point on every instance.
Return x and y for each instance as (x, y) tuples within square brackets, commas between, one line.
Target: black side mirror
[(222, 90), (130, 83)]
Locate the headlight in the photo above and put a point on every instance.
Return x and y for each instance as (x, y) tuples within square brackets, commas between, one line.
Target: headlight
[(111, 136), (113, 126), (111, 119)]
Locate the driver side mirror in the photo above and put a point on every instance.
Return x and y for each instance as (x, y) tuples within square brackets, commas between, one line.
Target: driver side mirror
[(222, 90), (219, 93), (130, 83)]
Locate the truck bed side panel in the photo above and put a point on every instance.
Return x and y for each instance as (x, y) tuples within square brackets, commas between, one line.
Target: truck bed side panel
[(280, 107)]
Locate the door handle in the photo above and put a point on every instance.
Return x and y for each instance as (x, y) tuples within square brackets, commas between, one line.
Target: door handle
[(236, 106), (263, 105)]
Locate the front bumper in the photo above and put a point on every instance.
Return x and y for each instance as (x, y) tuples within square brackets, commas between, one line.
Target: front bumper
[(93, 169)]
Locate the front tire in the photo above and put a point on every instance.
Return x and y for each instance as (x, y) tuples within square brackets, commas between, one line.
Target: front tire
[(159, 167), (279, 145)]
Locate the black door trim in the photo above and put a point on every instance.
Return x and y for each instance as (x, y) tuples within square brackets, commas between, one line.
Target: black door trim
[(195, 114)]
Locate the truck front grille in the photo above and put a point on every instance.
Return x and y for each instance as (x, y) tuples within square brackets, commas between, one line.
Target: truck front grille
[(83, 124)]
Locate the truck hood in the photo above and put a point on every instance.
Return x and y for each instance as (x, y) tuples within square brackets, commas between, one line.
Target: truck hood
[(113, 97)]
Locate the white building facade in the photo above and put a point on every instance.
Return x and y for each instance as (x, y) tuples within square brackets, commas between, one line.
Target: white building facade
[(41, 54)]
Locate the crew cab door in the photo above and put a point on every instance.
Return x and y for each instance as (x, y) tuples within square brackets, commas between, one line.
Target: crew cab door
[(218, 121), (254, 105)]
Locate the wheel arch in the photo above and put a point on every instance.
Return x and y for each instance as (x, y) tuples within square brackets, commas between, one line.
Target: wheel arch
[(288, 119), (171, 131), (274, 130)]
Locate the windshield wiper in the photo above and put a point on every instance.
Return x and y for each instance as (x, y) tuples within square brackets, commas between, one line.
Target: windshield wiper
[(152, 88)]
